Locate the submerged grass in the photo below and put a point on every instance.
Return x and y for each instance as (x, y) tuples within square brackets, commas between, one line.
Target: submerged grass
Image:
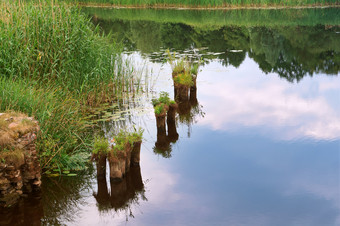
[(55, 65), (211, 3)]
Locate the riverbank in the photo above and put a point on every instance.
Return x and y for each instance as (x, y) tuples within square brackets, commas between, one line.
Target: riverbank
[(57, 66)]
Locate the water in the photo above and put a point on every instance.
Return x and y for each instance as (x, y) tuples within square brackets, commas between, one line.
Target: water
[(259, 143)]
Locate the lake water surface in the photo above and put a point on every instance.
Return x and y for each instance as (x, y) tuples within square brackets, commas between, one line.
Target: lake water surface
[(258, 140)]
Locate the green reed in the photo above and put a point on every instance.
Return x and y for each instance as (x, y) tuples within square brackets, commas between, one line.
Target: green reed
[(51, 42), (63, 139), (211, 3)]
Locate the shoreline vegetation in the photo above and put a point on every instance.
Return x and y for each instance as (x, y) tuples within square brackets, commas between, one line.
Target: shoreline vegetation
[(208, 5), (56, 66)]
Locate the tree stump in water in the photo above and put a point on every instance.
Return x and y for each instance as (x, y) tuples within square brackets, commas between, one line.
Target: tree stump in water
[(135, 153), (101, 165), (128, 150), (181, 92), (115, 168)]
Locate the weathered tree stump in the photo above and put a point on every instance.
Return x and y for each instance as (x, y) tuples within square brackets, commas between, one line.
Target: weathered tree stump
[(181, 92), (115, 169), (135, 154), (101, 165)]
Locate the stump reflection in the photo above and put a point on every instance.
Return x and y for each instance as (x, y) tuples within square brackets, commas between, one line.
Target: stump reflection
[(123, 194)]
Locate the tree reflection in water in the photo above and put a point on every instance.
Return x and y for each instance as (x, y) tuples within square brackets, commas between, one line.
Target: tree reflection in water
[(291, 51)]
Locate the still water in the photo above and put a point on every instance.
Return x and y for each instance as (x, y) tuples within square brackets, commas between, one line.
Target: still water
[(258, 140)]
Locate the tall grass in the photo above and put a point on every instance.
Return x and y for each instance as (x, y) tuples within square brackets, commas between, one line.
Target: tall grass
[(63, 140), (55, 65), (212, 3), (50, 42)]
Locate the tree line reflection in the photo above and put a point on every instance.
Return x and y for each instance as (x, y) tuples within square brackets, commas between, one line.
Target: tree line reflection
[(292, 52)]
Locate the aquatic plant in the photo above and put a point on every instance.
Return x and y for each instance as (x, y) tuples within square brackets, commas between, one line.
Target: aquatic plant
[(135, 136), (185, 79), (194, 68), (160, 109), (163, 98), (126, 137), (100, 146)]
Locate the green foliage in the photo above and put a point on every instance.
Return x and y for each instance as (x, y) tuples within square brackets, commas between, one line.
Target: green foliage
[(120, 140), (179, 67), (62, 128), (125, 137), (163, 98), (54, 64), (52, 43), (184, 79), (136, 136), (100, 146), (194, 69), (159, 109)]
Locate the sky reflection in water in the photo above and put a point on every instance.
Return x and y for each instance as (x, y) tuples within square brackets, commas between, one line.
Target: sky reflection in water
[(263, 151)]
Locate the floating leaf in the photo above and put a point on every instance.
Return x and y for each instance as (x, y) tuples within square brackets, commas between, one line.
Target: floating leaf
[(71, 175)]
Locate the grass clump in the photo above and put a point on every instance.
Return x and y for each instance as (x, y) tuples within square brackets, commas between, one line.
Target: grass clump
[(125, 137), (100, 146), (160, 109), (183, 72), (161, 104), (136, 135), (184, 79), (12, 157), (163, 98), (122, 143)]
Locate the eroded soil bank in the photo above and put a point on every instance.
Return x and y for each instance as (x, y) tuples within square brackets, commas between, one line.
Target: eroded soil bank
[(19, 165)]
